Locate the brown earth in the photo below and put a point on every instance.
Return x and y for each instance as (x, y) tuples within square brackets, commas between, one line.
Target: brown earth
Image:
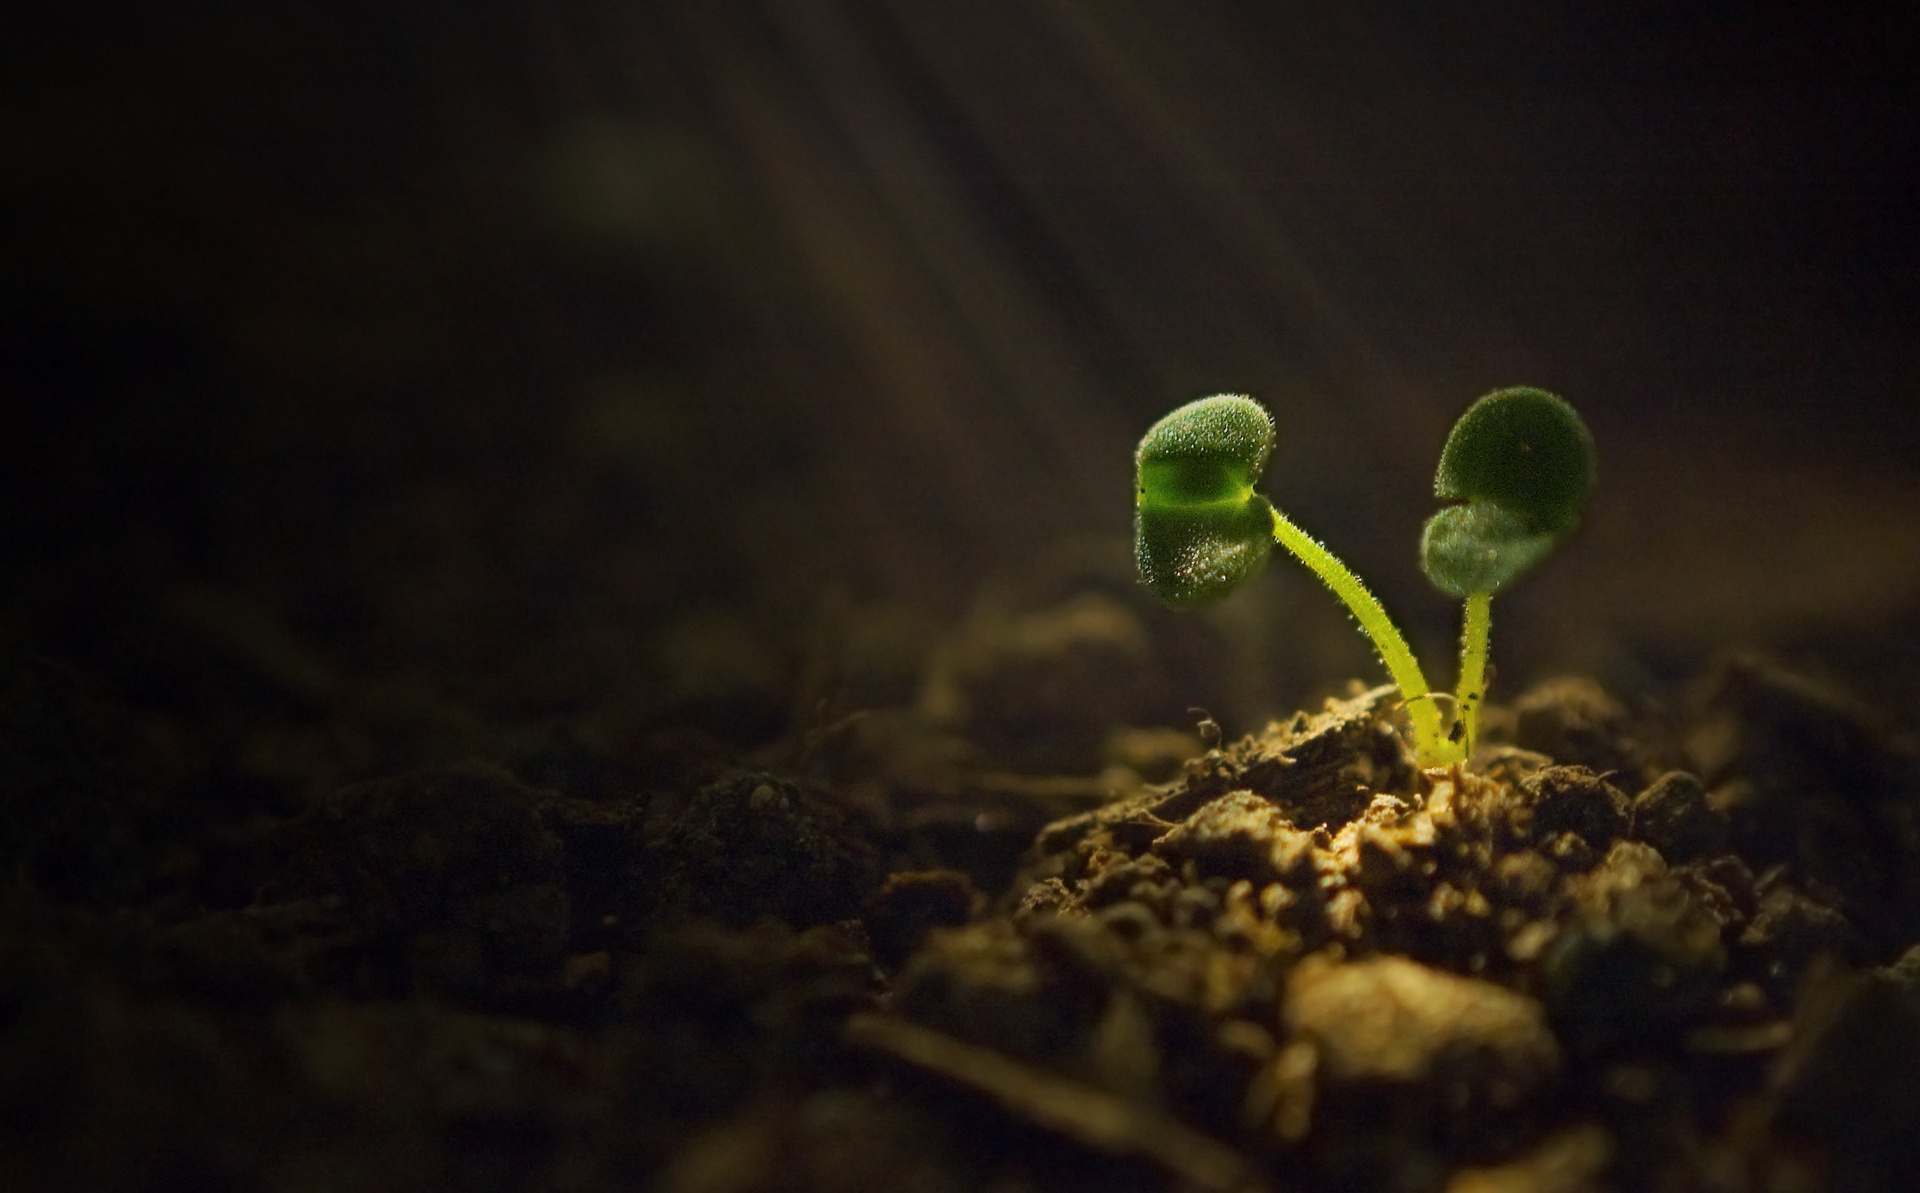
[(1618, 950)]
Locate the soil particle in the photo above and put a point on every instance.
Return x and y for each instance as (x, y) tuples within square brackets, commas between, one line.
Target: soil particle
[(1576, 722), (604, 850), (1815, 782), (453, 868), (753, 845), (1791, 929), (982, 983), (1572, 1161), (1092, 1117), (1572, 799), (1239, 835), (1673, 816), (1786, 732), (1848, 1088), (1387, 1023), (1635, 953), (910, 904), (1039, 689)]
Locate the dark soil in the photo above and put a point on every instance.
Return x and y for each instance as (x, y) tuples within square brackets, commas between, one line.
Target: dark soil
[(1618, 950)]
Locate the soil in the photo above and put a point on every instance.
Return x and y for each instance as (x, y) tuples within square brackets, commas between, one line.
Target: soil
[(1618, 949)]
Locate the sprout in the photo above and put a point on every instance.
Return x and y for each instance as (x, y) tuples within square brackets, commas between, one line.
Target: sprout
[(1523, 463), (1520, 460)]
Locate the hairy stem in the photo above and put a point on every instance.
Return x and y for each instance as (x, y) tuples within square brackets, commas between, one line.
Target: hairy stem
[(1429, 743), (1474, 635)]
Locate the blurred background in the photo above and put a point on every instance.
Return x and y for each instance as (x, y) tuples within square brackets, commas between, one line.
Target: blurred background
[(393, 383)]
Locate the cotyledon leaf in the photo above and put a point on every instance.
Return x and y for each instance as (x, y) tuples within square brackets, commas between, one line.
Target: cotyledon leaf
[(1523, 462), (1199, 527)]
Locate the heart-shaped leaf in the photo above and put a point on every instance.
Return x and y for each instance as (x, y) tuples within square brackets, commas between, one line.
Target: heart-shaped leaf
[(1478, 547), (1523, 461), (1199, 528)]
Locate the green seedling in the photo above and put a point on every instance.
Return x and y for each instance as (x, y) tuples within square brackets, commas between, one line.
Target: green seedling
[(1519, 463)]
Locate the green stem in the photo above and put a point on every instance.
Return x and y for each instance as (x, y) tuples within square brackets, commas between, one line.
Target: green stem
[(1433, 748), (1474, 635)]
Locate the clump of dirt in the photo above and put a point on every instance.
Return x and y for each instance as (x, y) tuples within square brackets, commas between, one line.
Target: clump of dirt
[(1617, 949), (1343, 971)]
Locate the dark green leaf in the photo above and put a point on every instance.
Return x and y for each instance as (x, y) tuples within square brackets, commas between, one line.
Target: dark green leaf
[(1523, 462), (1524, 450), (1200, 529), (1186, 558), (1478, 547)]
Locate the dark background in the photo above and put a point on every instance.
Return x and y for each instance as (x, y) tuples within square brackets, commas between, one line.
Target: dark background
[(412, 378)]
